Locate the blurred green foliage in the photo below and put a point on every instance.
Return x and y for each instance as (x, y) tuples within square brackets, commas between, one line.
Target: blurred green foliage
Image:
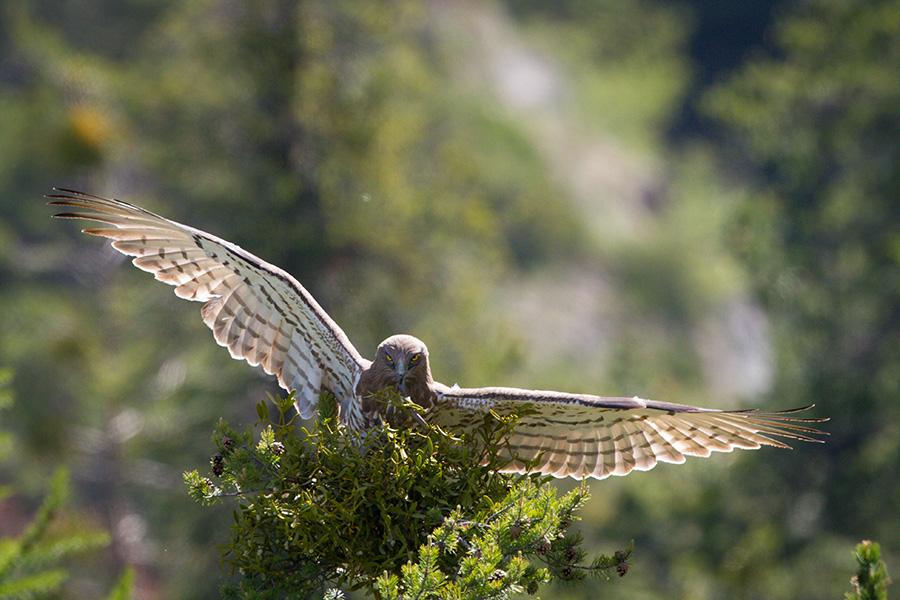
[(29, 562), (551, 233), (819, 235), (33, 563)]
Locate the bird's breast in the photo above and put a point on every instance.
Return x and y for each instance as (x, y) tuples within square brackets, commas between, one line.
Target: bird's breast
[(379, 396)]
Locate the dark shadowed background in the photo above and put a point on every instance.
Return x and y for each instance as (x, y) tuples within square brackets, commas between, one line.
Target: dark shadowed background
[(692, 201)]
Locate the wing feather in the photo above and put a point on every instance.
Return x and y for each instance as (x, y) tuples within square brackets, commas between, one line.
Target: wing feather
[(660, 447), (578, 459), (594, 436), (257, 311)]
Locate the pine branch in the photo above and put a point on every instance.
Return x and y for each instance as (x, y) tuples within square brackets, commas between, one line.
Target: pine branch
[(401, 513), (871, 580)]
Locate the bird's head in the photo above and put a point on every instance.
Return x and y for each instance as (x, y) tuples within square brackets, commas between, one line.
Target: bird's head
[(403, 360)]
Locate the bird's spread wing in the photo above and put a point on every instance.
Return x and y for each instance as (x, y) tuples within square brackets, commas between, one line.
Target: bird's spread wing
[(571, 435), (256, 310)]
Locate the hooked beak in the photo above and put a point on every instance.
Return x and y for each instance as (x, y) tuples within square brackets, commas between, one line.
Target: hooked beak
[(401, 379)]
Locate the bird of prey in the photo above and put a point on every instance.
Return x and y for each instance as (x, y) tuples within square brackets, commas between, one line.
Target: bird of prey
[(264, 316)]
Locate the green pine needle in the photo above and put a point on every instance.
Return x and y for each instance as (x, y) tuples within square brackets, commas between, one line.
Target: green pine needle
[(411, 512)]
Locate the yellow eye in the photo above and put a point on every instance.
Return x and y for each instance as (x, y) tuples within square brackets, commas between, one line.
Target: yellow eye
[(414, 359), (389, 358)]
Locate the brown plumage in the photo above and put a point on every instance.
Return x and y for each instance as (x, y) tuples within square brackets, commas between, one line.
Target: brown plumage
[(264, 316), (401, 364)]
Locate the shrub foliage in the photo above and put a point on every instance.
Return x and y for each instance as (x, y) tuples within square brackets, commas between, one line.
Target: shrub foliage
[(411, 512), (871, 579)]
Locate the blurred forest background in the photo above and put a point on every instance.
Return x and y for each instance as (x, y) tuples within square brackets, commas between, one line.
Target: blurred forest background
[(693, 200)]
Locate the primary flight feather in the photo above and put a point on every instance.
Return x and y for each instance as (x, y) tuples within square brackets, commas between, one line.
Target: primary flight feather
[(264, 316)]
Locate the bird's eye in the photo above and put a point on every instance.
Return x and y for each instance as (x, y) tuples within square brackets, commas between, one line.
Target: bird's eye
[(389, 358), (414, 359)]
